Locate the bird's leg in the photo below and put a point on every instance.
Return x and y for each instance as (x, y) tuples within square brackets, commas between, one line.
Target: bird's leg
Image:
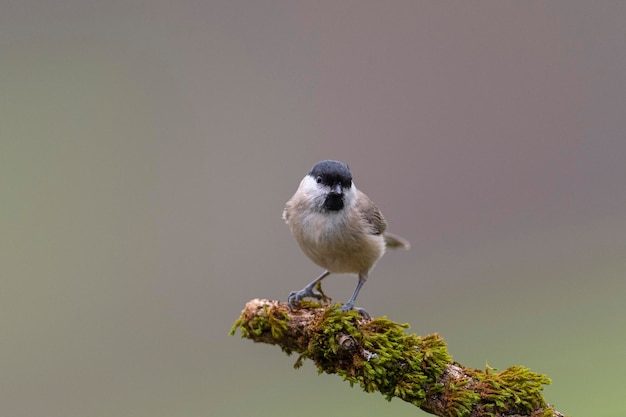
[(350, 304), (308, 291)]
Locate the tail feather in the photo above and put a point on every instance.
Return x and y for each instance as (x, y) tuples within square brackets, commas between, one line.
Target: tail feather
[(395, 241)]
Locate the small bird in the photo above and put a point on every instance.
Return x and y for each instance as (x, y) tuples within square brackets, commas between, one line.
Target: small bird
[(338, 227)]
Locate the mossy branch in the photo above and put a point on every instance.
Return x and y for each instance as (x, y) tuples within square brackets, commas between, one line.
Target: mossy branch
[(378, 355)]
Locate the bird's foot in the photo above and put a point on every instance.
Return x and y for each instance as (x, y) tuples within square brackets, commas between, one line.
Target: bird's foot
[(350, 306), (296, 296)]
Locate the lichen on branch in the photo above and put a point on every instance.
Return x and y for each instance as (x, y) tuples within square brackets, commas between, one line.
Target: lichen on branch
[(378, 355)]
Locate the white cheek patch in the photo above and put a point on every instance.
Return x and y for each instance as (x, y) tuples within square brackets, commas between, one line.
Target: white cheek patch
[(314, 190), (349, 196), (309, 184), (317, 192)]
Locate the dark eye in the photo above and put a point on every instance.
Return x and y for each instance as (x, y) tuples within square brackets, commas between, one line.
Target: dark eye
[(318, 179)]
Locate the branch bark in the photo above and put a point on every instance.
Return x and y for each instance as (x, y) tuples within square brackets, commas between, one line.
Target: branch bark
[(379, 355)]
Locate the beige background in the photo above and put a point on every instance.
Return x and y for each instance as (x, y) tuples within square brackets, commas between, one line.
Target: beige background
[(147, 149)]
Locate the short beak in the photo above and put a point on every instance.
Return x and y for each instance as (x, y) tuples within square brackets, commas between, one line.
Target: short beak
[(337, 189)]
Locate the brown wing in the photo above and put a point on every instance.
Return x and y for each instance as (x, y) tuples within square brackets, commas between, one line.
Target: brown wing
[(372, 216)]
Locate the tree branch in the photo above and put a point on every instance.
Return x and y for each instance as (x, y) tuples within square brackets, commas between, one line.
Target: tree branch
[(379, 356)]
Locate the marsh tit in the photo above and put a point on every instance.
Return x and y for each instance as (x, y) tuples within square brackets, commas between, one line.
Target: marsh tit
[(338, 227)]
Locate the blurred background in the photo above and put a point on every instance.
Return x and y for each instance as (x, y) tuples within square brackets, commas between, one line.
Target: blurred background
[(147, 149)]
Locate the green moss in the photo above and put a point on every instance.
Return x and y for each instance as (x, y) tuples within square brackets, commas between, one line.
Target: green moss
[(407, 366), (274, 320), (239, 325), (277, 320), (254, 326), (310, 304), (516, 390), (382, 357), (548, 412), (386, 358), (459, 399)]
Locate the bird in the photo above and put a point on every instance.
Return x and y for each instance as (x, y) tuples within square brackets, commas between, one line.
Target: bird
[(337, 227)]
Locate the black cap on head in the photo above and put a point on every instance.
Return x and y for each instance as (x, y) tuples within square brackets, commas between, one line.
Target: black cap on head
[(332, 172)]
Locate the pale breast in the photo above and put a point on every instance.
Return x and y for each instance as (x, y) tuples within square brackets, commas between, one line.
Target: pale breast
[(329, 243)]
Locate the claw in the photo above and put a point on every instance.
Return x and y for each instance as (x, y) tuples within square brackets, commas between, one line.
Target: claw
[(349, 306), (308, 291), (296, 296), (346, 307)]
